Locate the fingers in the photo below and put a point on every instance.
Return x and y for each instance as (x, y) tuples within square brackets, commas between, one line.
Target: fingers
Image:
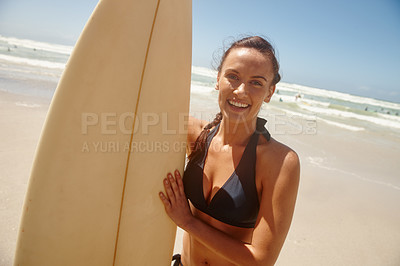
[(169, 189), (174, 199), (165, 201), (174, 185), (174, 190), (180, 183)]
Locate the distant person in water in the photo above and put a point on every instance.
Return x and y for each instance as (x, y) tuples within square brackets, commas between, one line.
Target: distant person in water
[(241, 183)]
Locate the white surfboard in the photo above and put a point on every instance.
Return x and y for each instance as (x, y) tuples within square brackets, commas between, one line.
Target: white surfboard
[(93, 192)]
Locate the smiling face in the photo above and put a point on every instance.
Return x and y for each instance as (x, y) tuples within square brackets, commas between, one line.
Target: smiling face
[(244, 83)]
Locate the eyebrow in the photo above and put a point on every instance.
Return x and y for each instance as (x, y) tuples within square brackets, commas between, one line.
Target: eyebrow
[(259, 77), (254, 77)]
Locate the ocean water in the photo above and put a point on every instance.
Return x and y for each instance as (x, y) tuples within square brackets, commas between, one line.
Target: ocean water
[(34, 68), (346, 111)]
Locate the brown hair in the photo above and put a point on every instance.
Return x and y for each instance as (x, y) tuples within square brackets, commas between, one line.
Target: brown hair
[(261, 45), (254, 42)]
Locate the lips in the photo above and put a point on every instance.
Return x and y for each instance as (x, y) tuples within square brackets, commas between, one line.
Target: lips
[(238, 104)]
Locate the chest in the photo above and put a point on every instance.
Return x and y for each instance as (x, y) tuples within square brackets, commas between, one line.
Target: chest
[(222, 184), (220, 163)]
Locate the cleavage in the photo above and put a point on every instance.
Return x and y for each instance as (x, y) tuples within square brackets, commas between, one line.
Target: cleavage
[(218, 168)]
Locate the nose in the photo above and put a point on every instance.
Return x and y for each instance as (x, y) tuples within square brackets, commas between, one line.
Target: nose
[(240, 91)]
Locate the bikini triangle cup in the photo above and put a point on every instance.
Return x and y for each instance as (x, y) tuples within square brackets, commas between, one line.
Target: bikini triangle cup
[(236, 202)]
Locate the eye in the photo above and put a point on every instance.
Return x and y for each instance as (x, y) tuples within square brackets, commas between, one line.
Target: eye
[(256, 83), (232, 76)]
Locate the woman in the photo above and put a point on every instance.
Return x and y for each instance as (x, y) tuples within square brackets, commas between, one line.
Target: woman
[(241, 184)]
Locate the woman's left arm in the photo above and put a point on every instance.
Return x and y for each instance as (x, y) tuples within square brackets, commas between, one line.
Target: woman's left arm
[(275, 215)]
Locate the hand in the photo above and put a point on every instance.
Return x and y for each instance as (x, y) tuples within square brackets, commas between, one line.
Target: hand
[(175, 201)]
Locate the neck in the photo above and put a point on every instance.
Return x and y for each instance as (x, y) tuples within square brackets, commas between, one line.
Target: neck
[(236, 133)]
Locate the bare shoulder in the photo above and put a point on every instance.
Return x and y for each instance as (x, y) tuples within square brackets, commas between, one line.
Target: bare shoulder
[(195, 126), (277, 162)]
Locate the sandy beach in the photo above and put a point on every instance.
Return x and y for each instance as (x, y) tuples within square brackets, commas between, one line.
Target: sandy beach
[(345, 213)]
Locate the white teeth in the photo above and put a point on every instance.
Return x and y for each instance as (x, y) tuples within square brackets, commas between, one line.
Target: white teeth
[(237, 104)]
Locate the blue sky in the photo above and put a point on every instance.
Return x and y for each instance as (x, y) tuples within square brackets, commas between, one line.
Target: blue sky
[(347, 46)]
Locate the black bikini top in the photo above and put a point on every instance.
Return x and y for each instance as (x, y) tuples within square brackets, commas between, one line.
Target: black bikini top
[(236, 202)]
